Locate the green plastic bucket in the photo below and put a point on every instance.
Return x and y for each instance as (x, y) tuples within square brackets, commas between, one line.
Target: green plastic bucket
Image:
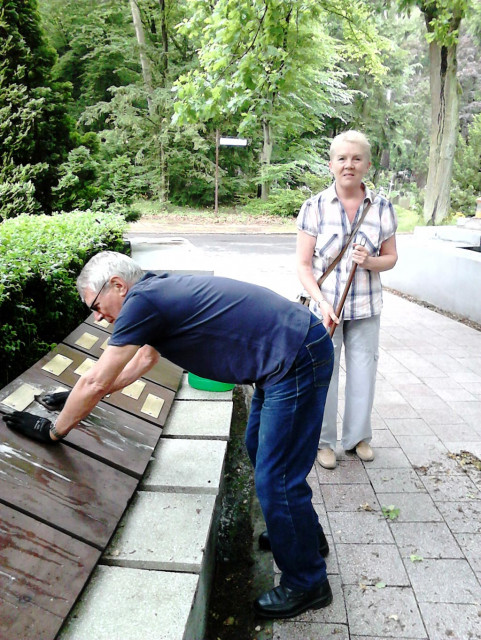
[(208, 385)]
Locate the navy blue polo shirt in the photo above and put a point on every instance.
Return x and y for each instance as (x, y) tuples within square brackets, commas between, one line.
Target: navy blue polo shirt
[(214, 327)]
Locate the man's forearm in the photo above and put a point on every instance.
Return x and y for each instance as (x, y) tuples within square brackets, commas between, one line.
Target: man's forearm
[(145, 358), (93, 386)]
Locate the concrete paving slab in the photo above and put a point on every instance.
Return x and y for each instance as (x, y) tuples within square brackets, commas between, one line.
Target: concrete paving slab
[(425, 539), (462, 517), (390, 458), (369, 638), (396, 410), (456, 432), (347, 472), (409, 427), (426, 452), (316, 490), (186, 466), (413, 507), (470, 543), (186, 392), (382, 438), (435, 410), (395, 481), (363, 527), (353, 497), (388, 613), (454, 621), (439, 580), (199, 419), (455, 487), (417, 364), (309, 631), (163, 531), (371, 564), (472, 447), (132, 604)]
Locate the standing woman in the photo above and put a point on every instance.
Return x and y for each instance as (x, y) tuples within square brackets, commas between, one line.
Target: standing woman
[(324, 224)]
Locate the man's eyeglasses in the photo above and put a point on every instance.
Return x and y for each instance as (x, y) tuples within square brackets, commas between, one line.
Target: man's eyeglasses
[(93, 306)]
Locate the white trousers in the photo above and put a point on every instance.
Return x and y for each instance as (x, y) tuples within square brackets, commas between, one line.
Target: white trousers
[(361, 349)]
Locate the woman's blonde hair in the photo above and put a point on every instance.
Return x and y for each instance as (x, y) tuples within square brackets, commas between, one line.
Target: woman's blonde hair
[(351, 136)]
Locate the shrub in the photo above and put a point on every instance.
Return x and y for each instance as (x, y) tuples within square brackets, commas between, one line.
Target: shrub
[(40, 258), (281, 202)]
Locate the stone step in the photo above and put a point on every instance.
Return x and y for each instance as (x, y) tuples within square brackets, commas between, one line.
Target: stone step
[(153, 581)]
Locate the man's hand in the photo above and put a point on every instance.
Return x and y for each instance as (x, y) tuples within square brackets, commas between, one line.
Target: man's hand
[(53, 401), (30, 425)]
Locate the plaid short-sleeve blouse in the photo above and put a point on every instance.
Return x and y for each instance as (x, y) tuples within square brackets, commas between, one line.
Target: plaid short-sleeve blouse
[(324, 218)]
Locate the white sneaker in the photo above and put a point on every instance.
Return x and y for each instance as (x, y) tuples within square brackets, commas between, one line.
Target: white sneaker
[(364, 451), (327, 458)]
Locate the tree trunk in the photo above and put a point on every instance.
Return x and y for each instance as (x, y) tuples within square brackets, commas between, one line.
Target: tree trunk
[(444, 131), (144, 62), (266, 158), (147, 76), (165, 42), (216, 179)]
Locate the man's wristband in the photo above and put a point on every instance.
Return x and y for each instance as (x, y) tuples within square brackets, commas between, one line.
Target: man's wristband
[(55, 433)]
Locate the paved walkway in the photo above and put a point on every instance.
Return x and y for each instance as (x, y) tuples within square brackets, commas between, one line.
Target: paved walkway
[(417, 572)]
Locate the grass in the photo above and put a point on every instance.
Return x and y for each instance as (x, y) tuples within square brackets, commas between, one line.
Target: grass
[(407, 218)]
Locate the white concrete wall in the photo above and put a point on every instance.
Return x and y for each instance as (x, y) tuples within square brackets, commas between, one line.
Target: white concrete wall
[(438, 271)]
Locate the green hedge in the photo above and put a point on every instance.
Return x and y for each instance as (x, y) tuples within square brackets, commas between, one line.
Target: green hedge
[(40, 258)]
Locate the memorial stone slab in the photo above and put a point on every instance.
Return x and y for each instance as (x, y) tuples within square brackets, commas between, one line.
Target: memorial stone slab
[(164, 372), (42, 572), (142, 398), (93, 339), (63, 487), (109, 434)]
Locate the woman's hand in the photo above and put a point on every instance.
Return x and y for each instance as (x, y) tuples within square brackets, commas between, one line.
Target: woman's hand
[(328, 315), (360, 256)]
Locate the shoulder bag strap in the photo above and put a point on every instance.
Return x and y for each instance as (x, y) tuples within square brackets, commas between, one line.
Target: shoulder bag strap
[(338, 258)]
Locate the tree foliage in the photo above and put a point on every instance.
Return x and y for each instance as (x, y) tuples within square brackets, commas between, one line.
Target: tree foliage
[(35, 130), (148, 97)]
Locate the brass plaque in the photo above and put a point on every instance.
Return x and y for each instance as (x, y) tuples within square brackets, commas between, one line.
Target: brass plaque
[(105, 344), (21, 397), (152, 405), (102, 323), (86, 340), (85, 366), (58, 364), (134, 390)]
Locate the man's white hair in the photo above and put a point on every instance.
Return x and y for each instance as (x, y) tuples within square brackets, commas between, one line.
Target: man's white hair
[(351, 136), (103, 266)]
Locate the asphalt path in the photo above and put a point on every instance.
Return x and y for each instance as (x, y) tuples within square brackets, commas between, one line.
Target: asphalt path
[(267, 260)]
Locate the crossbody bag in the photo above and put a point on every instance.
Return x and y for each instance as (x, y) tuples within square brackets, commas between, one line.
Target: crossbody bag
[(306, 299)]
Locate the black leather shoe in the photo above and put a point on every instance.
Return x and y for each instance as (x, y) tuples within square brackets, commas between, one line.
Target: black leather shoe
[(265, 543), (282, 602)]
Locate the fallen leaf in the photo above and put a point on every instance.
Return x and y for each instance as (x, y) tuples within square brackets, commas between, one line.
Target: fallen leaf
[(366, 507), (380, 585), (415, 558)]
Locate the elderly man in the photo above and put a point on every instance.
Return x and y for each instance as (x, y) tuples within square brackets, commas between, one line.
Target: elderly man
[(228, 331)]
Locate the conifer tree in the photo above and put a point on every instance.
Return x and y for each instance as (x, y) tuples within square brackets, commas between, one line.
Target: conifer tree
[(35, 131)]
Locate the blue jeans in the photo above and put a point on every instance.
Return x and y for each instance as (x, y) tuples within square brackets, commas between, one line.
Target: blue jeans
[(281, 439)]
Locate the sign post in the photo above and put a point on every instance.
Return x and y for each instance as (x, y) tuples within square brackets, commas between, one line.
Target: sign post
[(224, 142)]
